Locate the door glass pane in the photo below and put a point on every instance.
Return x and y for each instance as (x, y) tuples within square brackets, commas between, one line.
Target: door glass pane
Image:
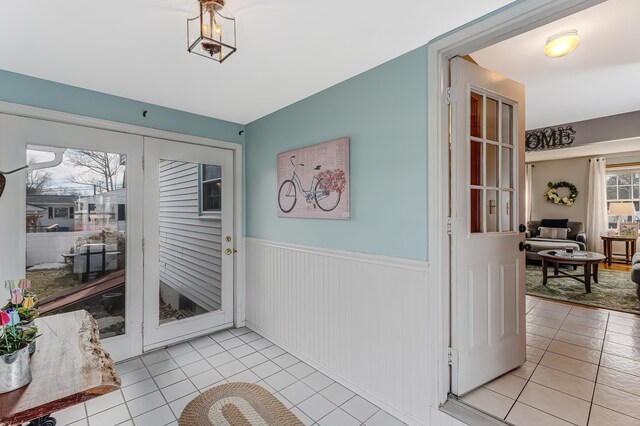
[(476, 163), (507, 124), (476, 115), (76, 234), (475, 208), (492, 165), (507, 168), (506, 201), (190, 239), (492, 119), (493, 213)]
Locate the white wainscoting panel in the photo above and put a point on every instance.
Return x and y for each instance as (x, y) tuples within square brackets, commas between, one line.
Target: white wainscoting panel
[(362, 319)]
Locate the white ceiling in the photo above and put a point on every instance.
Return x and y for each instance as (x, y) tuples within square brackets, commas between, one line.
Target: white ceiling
[(287, 49), (600, 78)]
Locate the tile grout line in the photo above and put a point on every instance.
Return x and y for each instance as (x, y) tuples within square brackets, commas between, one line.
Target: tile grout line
[(537, 364), (595, 383), (527, 382)]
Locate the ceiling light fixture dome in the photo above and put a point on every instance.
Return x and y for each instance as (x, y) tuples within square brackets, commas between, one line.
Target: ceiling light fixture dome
[(212, 33), (562, 43)]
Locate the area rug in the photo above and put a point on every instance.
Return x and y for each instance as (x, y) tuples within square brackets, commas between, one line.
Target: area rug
[(237, 404), (615, 290)]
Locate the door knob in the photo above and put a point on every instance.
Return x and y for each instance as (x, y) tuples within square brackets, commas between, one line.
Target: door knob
[(227, 238), (228, 251), (522, 246), (522, 228)]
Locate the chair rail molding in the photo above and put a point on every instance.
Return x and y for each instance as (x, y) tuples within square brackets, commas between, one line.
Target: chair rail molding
[(358, 318)]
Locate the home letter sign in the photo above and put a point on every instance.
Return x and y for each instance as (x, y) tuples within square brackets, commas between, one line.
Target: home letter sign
[(549, 138)]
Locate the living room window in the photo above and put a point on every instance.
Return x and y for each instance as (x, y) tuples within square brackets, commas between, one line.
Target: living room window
[(623, 186)]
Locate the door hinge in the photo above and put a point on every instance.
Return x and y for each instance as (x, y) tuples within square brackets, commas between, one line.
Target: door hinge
[(452, 356), (449, 225), (143, 244), (142, 163), (448, 95)]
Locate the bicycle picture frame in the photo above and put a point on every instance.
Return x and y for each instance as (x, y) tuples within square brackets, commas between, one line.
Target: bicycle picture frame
[(313, 181)]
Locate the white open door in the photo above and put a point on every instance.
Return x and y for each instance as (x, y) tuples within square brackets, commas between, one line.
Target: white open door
[(487, 194), (188, 244)]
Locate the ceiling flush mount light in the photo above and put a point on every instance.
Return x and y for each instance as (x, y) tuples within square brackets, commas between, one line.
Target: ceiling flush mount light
[(562, 43), (212, 33)]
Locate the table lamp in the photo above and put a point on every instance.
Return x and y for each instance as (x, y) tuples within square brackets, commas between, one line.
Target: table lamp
[(621, 209)]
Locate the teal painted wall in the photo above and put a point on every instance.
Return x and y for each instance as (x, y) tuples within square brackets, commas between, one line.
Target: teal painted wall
[(384, 112), (22, 89)]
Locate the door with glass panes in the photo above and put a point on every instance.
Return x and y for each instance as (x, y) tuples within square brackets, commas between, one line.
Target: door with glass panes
[(488, 260), (188, 246)]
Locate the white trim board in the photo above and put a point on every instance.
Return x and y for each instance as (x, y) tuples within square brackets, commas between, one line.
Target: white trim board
[(593, 149), (98, 123), (509, 21), (398, 262), (360, 319)]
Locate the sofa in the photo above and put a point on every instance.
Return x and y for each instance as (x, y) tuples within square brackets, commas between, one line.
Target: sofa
[(635, 272), (576, 238)]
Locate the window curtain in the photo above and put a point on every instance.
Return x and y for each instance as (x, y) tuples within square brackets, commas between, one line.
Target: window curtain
[(596, 203), (528, 176)]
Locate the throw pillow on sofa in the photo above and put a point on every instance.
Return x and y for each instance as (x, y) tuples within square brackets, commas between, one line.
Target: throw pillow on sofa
[(553, 233), (555, 223)]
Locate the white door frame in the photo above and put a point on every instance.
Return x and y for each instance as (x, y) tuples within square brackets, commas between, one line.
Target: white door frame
[(505, 23), (155, 334), (237, 148)]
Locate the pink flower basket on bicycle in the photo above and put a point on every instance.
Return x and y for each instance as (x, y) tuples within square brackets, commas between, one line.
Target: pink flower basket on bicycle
[(332, 180)]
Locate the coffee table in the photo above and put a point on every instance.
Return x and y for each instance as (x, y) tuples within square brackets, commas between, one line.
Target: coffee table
[(587, 259)]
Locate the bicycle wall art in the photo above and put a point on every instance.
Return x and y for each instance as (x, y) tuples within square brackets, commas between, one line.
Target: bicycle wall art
[(313, 182)]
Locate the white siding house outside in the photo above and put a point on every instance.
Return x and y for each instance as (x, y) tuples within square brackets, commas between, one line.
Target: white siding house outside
[(105, 210), (45, 211), (190, 243)]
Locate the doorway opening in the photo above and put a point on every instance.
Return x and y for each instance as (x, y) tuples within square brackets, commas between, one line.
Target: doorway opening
[(481, 315)]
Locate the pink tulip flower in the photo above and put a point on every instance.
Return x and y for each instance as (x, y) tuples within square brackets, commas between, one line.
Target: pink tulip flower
[(16, 296)]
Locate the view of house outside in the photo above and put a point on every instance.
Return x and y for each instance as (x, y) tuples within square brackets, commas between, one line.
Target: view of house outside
[(76, 234)]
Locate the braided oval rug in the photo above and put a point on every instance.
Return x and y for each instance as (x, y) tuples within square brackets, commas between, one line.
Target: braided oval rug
[(237, 404)]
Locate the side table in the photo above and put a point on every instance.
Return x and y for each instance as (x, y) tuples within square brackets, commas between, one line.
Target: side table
[(607, 245)]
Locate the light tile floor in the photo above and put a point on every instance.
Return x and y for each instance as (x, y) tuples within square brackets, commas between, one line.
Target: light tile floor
[(582, 368), (157, 386)]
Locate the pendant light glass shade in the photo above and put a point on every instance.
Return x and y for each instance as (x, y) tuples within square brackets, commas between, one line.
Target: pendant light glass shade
[(212, 33)]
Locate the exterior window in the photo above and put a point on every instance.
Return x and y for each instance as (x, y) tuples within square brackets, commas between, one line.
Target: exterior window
[(210, 189), (60, 212), (72, 213), (623, 186), (121, 212)]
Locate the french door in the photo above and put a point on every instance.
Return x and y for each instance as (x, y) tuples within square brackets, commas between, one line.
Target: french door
[(487, 243), (188, 241), (73, 223)]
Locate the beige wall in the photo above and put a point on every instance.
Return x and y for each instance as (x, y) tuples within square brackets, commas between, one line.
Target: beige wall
[(575, 171)]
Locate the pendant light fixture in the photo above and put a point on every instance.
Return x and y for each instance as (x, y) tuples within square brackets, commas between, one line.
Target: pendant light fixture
[(212, 33), (562, 43)]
